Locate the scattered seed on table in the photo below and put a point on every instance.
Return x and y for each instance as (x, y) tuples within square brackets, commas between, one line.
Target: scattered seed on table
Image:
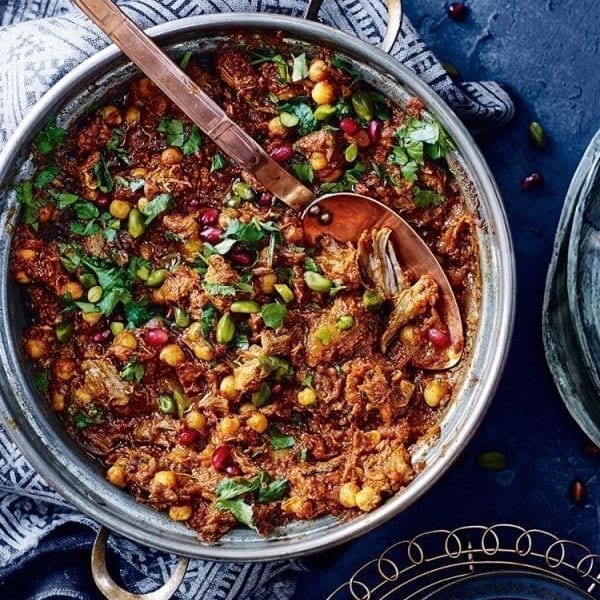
[(578, 492), (537, 134), (532, 180), (457, 11), (492, 460)]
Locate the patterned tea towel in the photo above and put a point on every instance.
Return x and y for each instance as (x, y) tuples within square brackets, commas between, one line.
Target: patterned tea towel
[(44, 542)]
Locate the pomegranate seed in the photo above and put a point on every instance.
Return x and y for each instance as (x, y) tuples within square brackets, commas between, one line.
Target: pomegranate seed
[(101, 336), (374, 130), (233, 470), (209, 216), (192, 206), (438, 338), (590, 449), (212, 235), (532, 180), (156, 337), (349, 126), (221, 458), (457, 11), (277, 389), (239, 257), (102, 200), (188, 437), (282, 153), (265, 199), (578, 492)]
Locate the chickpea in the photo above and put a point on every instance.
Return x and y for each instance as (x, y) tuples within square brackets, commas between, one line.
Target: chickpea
[(64, 368), (276, 127), (57, 401), (126, 339), (307, 397), (91, 318), (318, 70), (45, 213), (144, 87), (166, 478), (348, 493), (180, 513), (258, 422), (172, 354), (373, 436), (435, 391), (333, 176), (368, 498), (324, 93), (26, 254), (318, 161), (227, 387), (75, 289), (132, 114), (195, 420), (116, 475), (267, 283), (111, 115), (36, 348), (119, 209), (22, 277), (203, 351), (139, 172), (171, 156), (229, 426)]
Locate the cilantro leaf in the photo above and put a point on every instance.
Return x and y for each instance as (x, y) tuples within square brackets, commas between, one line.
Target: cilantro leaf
[(306, 118), (114, 144), (103, 176), (279, 440), (426, 198), (82, 419), (218, 162), (156, 206), (240, 510), (31, 206), (350, 178), (273, 314), (85, 229), (193, 143), (229, 488), (45, 176), (137, 312), (173, 130), (207, 319), (132, 371), (218, 289), (274, 490), (42, 380), (304, 172), (50, 137)]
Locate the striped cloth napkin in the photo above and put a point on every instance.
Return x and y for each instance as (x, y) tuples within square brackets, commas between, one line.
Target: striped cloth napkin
[(40, 41)]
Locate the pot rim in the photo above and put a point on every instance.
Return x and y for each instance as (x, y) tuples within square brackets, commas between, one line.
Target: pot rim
[(27, 434)]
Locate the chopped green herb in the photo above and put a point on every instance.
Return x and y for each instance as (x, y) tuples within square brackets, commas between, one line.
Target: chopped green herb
[(42, 380), (279, 440), (426, 198), (350, 178), (299, 67), (219, 289), (308, 380), (103, 176), (311, 265), (137, 312), (273, 314), (304, 172), (91, 416), (194, 141), (50, 137), (185, 60), (208, 319), (240, 510), (45, 176), (158, 205), (85, 229), (115, 145), (218, 162), (31, 206), (132, 371), (173, 130), (303, 111)]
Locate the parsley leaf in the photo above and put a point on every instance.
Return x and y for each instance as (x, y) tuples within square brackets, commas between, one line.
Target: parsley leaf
[(426, 198), (50, 137), (31, 206), (85, 229), (132, 371), (82, 419), (193, 143), (45, 176), (159, 204), (240, 510), (103, 176), (279, 440), (304, 172), (207, 319), (274, 490), (218, 162), (350, 178), (173, 130), (273, 314), (306, 117), (114, 144), (137, 312)]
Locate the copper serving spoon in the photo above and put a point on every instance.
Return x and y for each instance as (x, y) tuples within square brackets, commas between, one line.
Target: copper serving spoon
[(348, 214)]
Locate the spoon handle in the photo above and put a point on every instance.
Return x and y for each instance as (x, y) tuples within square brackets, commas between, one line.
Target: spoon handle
[(194, 102)]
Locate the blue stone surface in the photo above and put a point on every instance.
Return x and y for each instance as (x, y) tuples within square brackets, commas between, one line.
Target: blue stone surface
[(547, 53)]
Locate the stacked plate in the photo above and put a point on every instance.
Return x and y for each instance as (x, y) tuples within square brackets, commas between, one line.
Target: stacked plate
[(571, 316)]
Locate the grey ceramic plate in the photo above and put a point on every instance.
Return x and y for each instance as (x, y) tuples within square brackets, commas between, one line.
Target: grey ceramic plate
[(571, 326)]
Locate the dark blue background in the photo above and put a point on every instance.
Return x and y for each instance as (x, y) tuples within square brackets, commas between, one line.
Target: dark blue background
[(547, 53)]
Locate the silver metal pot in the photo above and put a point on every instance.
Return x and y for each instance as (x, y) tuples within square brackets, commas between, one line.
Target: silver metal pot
[(37, 430)]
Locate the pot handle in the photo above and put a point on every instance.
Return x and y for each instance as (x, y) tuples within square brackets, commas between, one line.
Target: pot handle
[(105, 583), (395, 13)]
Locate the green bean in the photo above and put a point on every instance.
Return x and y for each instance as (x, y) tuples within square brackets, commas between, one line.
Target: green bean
[(87, 280), (95, 294), (182, 319), (116, 328), (345, 322), (225, 329), (285, 292), (245, 307), (157, 277), (263, 395), (351, 153), (316, 282), (372, 300), (324, 111), (166, 404), (538, 135), (288, 119), (243, 190), (363, 105)]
